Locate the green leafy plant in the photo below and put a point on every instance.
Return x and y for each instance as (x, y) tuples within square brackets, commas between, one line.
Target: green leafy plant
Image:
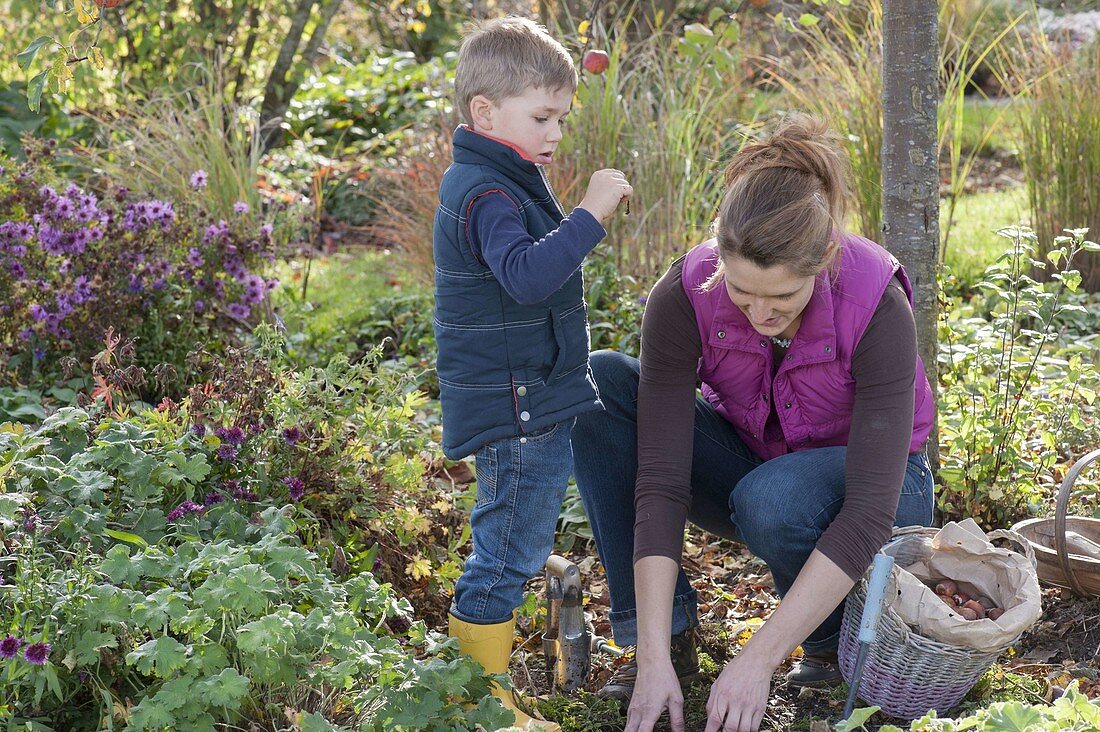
[(384, 95), (172, 566), (1012, 400), (1072, 712)]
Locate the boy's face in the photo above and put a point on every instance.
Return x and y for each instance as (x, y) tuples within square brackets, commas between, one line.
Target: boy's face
[(531, 122)]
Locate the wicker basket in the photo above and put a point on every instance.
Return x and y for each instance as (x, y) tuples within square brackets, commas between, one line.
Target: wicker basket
[(1057, 566), (907, 674)]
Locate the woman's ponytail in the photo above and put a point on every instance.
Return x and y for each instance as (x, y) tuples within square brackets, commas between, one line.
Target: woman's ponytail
[(786, 197)]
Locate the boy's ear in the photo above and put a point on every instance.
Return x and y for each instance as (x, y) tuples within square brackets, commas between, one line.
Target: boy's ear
[(481, 112)]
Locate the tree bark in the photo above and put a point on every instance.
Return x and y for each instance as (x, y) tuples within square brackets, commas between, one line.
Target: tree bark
[(275, 103), (910, 179), (284, 80)]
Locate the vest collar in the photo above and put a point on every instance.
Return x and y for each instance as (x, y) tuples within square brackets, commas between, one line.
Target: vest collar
[(477, 148)]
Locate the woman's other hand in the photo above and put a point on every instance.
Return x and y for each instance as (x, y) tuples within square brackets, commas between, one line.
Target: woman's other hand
[(656, 690), (739, 696)]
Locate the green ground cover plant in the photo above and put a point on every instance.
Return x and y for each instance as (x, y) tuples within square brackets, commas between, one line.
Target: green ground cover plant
[(176, 566)]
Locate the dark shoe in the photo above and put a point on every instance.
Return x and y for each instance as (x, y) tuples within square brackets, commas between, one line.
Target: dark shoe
[(684, 660), (815, 671)]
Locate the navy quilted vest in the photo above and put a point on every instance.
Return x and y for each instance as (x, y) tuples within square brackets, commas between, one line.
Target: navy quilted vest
[(505, 369)]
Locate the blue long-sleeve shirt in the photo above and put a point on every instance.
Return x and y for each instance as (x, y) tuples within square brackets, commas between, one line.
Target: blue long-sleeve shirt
[(529, 270)]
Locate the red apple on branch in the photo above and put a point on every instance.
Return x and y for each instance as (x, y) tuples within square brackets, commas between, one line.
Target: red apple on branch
[(595, 62)]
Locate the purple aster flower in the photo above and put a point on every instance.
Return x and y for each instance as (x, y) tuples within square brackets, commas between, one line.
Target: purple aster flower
[(50, 239), (198, 179), (239, 311), (82, 290), (39, 354), (37, 653), (62, 208), (226, 452), (198, 430), (213, 497), (199, 306), (86, 214), (47, 192), (10, 646), (255, 287), (296, 487), (37, 312), (121, 193), (219, 230), (17, 271), (292, 435), (240, 207), (64, 303), (265, 232), (194, 257)]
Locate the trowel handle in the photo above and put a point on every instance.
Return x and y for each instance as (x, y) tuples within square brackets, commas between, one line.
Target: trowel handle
[(876, 588)]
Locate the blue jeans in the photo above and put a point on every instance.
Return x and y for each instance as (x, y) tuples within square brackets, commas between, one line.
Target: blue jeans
[(778, 508), (521, 483)]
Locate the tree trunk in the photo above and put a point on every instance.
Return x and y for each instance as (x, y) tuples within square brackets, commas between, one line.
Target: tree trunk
[(282, 82), (910, 180)]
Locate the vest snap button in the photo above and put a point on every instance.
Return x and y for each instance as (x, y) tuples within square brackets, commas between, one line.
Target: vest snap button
[(789, 357), (522, 391), (828, 349), (763, 344), (721, 334), (525, 416), (787, 405)]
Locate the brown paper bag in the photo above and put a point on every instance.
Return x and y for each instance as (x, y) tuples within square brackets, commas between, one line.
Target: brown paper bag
[(962, 552)]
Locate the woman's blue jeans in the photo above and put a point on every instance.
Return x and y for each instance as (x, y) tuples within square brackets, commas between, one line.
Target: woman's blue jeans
[(778, 508)]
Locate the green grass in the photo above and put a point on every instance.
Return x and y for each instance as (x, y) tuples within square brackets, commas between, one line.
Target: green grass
[(340, 292), (974, 243), (978, 116)]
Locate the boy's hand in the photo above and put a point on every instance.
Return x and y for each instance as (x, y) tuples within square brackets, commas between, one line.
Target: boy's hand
[(606, 189)]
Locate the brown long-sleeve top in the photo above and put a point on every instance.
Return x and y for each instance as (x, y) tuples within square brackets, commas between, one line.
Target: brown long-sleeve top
[(883, 368)]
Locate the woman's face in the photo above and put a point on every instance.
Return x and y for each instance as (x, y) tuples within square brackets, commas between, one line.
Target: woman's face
[(772, 298)]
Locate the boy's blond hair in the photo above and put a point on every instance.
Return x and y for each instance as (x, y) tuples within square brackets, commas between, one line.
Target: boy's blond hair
[(507, 56)]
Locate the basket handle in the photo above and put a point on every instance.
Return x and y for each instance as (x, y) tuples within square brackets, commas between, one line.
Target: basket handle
[(1022, 545), (1060, 520)]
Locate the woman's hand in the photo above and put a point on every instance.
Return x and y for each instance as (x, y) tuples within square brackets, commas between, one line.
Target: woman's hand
[(656, 689), (739, 696)]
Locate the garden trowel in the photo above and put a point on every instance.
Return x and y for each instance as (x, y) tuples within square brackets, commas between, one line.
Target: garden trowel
[(868, 624)]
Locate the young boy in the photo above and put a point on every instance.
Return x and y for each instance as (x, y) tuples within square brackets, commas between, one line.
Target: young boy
[(510, 319)]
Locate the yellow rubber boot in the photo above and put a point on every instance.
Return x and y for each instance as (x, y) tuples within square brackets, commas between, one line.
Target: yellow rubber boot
[(491, 646)]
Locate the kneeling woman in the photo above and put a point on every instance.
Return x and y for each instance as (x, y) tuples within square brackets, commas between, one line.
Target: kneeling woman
[(806, 444)]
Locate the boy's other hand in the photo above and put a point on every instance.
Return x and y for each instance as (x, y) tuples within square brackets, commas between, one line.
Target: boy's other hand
[(606, 189)]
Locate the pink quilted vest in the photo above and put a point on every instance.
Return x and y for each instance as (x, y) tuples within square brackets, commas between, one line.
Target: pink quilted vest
[(813, 389)]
